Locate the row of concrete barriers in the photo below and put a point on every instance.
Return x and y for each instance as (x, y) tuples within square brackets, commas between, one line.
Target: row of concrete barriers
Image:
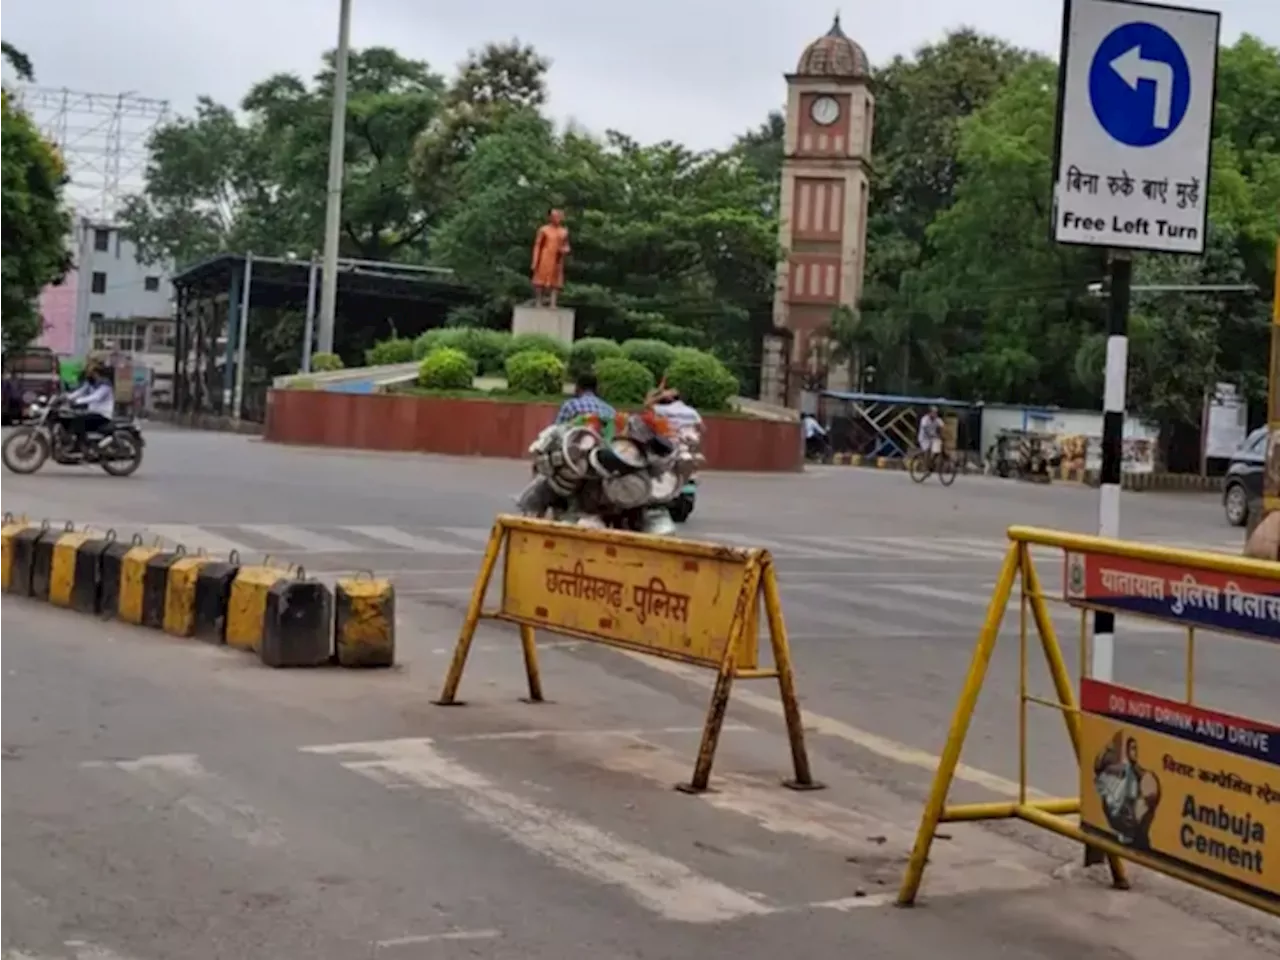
[(286, 618)]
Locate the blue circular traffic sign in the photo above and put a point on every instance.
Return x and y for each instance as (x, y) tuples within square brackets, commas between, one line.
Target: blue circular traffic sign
[(1139, 84)]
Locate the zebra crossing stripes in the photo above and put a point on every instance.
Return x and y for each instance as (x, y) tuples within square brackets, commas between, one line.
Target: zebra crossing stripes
[(276, 539)]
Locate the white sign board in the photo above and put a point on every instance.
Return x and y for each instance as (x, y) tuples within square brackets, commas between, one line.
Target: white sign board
[(1135, 118), (1226, 422)]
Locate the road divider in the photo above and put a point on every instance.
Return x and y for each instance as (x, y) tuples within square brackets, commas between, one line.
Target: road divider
[(19, 538), (179, 616), (365, 635), (697, 603), (277, 612), (1184, 790)]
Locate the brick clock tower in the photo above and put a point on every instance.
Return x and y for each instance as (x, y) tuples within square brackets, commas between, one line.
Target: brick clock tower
[(823, 214)]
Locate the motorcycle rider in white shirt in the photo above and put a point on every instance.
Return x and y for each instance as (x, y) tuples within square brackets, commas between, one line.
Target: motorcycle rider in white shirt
[(93, 404)]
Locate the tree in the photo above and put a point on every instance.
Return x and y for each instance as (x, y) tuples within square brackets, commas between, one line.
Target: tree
[(201, 175), (390, 99), (996, 302), (494, 84), (36, 224), (667, 243), (20, 62)]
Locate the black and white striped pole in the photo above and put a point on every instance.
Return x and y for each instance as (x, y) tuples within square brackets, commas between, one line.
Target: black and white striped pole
[(1119, 279), (1115, 379)]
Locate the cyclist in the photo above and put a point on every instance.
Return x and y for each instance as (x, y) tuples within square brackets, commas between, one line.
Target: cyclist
[(929, 437)]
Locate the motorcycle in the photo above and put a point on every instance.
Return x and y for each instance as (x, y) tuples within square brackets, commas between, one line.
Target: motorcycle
[(689, 443), (1023, 456), (624, 476), (47, 434)]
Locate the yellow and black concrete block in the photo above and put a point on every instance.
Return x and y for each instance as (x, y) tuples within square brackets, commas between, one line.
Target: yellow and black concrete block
[(86, 586), (133, 578), (111, 574), (9, 530), (63, 566), (179, 619), (22, 574), (214, 582), (298, 624), (155, 586), (247, 605), (365, 631), (42, 560)]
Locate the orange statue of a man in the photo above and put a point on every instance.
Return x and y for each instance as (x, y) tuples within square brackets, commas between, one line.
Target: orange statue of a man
[(550, 248)]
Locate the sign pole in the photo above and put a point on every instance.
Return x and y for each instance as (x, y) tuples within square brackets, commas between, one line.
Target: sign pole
[(1132, 142), (1119, 281), (1270, 490)]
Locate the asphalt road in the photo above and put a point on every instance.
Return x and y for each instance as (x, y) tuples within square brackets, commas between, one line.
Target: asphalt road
[(167, 799)]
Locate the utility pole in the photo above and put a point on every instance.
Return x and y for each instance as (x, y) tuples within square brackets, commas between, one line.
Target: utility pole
[(333, 203)]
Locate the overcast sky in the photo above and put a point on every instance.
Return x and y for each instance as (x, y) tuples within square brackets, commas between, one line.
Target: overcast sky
[(697, 71)]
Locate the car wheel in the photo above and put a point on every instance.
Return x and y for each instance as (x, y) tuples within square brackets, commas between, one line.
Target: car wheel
[(1236, 504)]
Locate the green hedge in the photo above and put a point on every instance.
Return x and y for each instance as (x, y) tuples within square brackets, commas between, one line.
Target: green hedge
[(326, 362), (654, 354), (587, 352), (623, 382), (542, 342), (703, 381), (488, 348), (395, 350), (535, 371), (447, 369)]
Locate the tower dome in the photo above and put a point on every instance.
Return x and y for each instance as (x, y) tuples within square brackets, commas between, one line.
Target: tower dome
[(834, 55)]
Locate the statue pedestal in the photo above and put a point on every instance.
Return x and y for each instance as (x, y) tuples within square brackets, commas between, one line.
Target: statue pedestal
[(554, 321)]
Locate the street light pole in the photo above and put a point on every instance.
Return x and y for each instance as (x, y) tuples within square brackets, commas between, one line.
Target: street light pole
[(333, 204)]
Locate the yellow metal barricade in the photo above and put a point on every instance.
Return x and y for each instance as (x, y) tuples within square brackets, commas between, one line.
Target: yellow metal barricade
[(1190, 792), (676, 599)]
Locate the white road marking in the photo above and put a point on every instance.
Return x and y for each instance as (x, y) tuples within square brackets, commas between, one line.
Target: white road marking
[(90, 951), (895, 608), (962, 549), (204, 795), (297, 538), (544, 734), (791, 547), (407, 541), (829, 726), (195, 539), (852, 547), (665, 886), (478, 535), (415, 939), (973, 599)]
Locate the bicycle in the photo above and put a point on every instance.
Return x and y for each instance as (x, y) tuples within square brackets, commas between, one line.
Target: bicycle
[(921, 464)]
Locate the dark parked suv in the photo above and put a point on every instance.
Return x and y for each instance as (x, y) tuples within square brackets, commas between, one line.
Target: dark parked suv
[(1243, 481)]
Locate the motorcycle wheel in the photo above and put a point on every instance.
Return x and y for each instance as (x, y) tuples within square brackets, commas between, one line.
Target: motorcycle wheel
[(25, 450), (123, 456), (681, 508)]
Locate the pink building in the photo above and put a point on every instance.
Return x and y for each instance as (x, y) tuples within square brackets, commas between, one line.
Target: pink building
[(58, 308)]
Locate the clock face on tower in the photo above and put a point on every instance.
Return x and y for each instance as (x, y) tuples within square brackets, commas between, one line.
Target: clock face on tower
[(824, 111)]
